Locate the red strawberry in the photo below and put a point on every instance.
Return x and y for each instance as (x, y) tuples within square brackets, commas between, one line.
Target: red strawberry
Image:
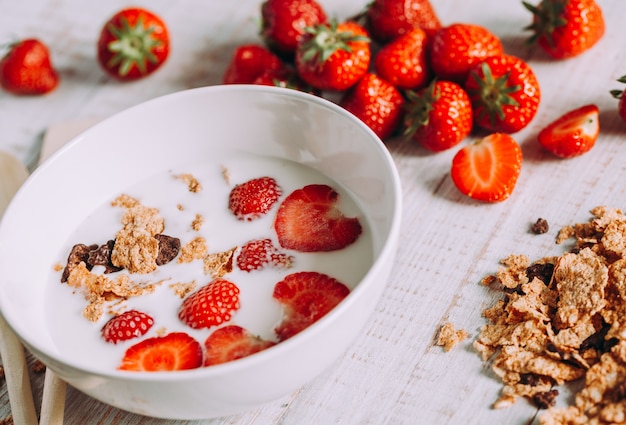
[(505, 93), (231, 343), (133, 43), (619, 94), (572, 134), (125, 326), (284, 21), (248, 63), (488, 169), (285, 77), (566, 28), (306, 297), (174, 351), (308, 220), (254, 198), (211, 305), (388, 19), (404, 61), (27, 70), (458, 47), (439, 116), (333, 56), (375, 102), (258, 253)]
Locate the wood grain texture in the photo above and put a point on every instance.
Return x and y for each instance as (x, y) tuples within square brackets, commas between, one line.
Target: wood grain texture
[(393, 373)]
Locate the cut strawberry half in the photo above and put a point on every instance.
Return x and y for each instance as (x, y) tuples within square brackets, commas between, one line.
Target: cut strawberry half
[(306, 297), (174, 351), (128, 325), (572, 134), (308, 220), (211, 305), (258, 253), (254, 198), (487, 170), (231, 343)]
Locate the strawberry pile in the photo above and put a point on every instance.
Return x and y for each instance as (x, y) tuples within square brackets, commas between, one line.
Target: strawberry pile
[(402, 72), (307, 220)]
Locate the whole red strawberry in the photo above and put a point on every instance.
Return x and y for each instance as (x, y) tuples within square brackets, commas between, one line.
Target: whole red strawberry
[(505, 93), (211, 305), (306, 297), (404, 61), (572, 134), (254, 198), (439, 116), (388, 19), (230, 343), (27, 69), (457, 48), (284, 21), (566, 28), (619, 94), (375, 102), (333, 56), (309, 220), (488, 169), (133, 44), (249, 62), (127, 325)]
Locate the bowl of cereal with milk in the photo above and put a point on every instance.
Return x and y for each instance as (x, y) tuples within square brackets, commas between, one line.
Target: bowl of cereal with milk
[(202, 253)]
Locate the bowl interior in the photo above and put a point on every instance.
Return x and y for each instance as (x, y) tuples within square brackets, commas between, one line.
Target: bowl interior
[(175, 130)]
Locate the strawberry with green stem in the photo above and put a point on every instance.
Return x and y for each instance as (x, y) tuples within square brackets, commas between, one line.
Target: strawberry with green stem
[(333, 56), (504, 92), (133, 44), (619, 94), (439, 116), (566, 28)]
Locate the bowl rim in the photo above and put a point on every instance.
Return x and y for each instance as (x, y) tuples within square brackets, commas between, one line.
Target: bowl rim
[(387, 250)]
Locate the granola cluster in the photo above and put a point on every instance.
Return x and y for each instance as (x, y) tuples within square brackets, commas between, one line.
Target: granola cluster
[(561, 319)]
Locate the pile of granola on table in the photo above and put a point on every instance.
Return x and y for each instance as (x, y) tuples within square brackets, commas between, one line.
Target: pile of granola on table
[(563, 318)]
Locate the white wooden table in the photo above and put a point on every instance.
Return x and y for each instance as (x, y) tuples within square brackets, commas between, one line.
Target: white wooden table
[(393, 373)]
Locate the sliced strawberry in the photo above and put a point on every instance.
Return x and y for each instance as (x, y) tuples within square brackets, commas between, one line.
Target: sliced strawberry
[(258, 253), (254, 198), (211, 305), (488, 169), (231, 343), (125, 326), (174, 351), (306, 297), (573, 134), (308, 220)]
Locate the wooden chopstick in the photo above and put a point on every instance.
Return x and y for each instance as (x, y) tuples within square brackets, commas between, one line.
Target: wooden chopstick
[(17, 377), (53, 400)]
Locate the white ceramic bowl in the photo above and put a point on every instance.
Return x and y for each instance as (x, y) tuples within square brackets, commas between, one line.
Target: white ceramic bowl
[(176, 129)]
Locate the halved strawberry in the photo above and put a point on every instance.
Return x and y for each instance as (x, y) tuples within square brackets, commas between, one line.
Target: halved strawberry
[(306, 297), (211, 305), (232, 342), (573, 134), (125, 326), (258, 253), (254, 198), (308, 220), (174, 351), (488, 169)]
